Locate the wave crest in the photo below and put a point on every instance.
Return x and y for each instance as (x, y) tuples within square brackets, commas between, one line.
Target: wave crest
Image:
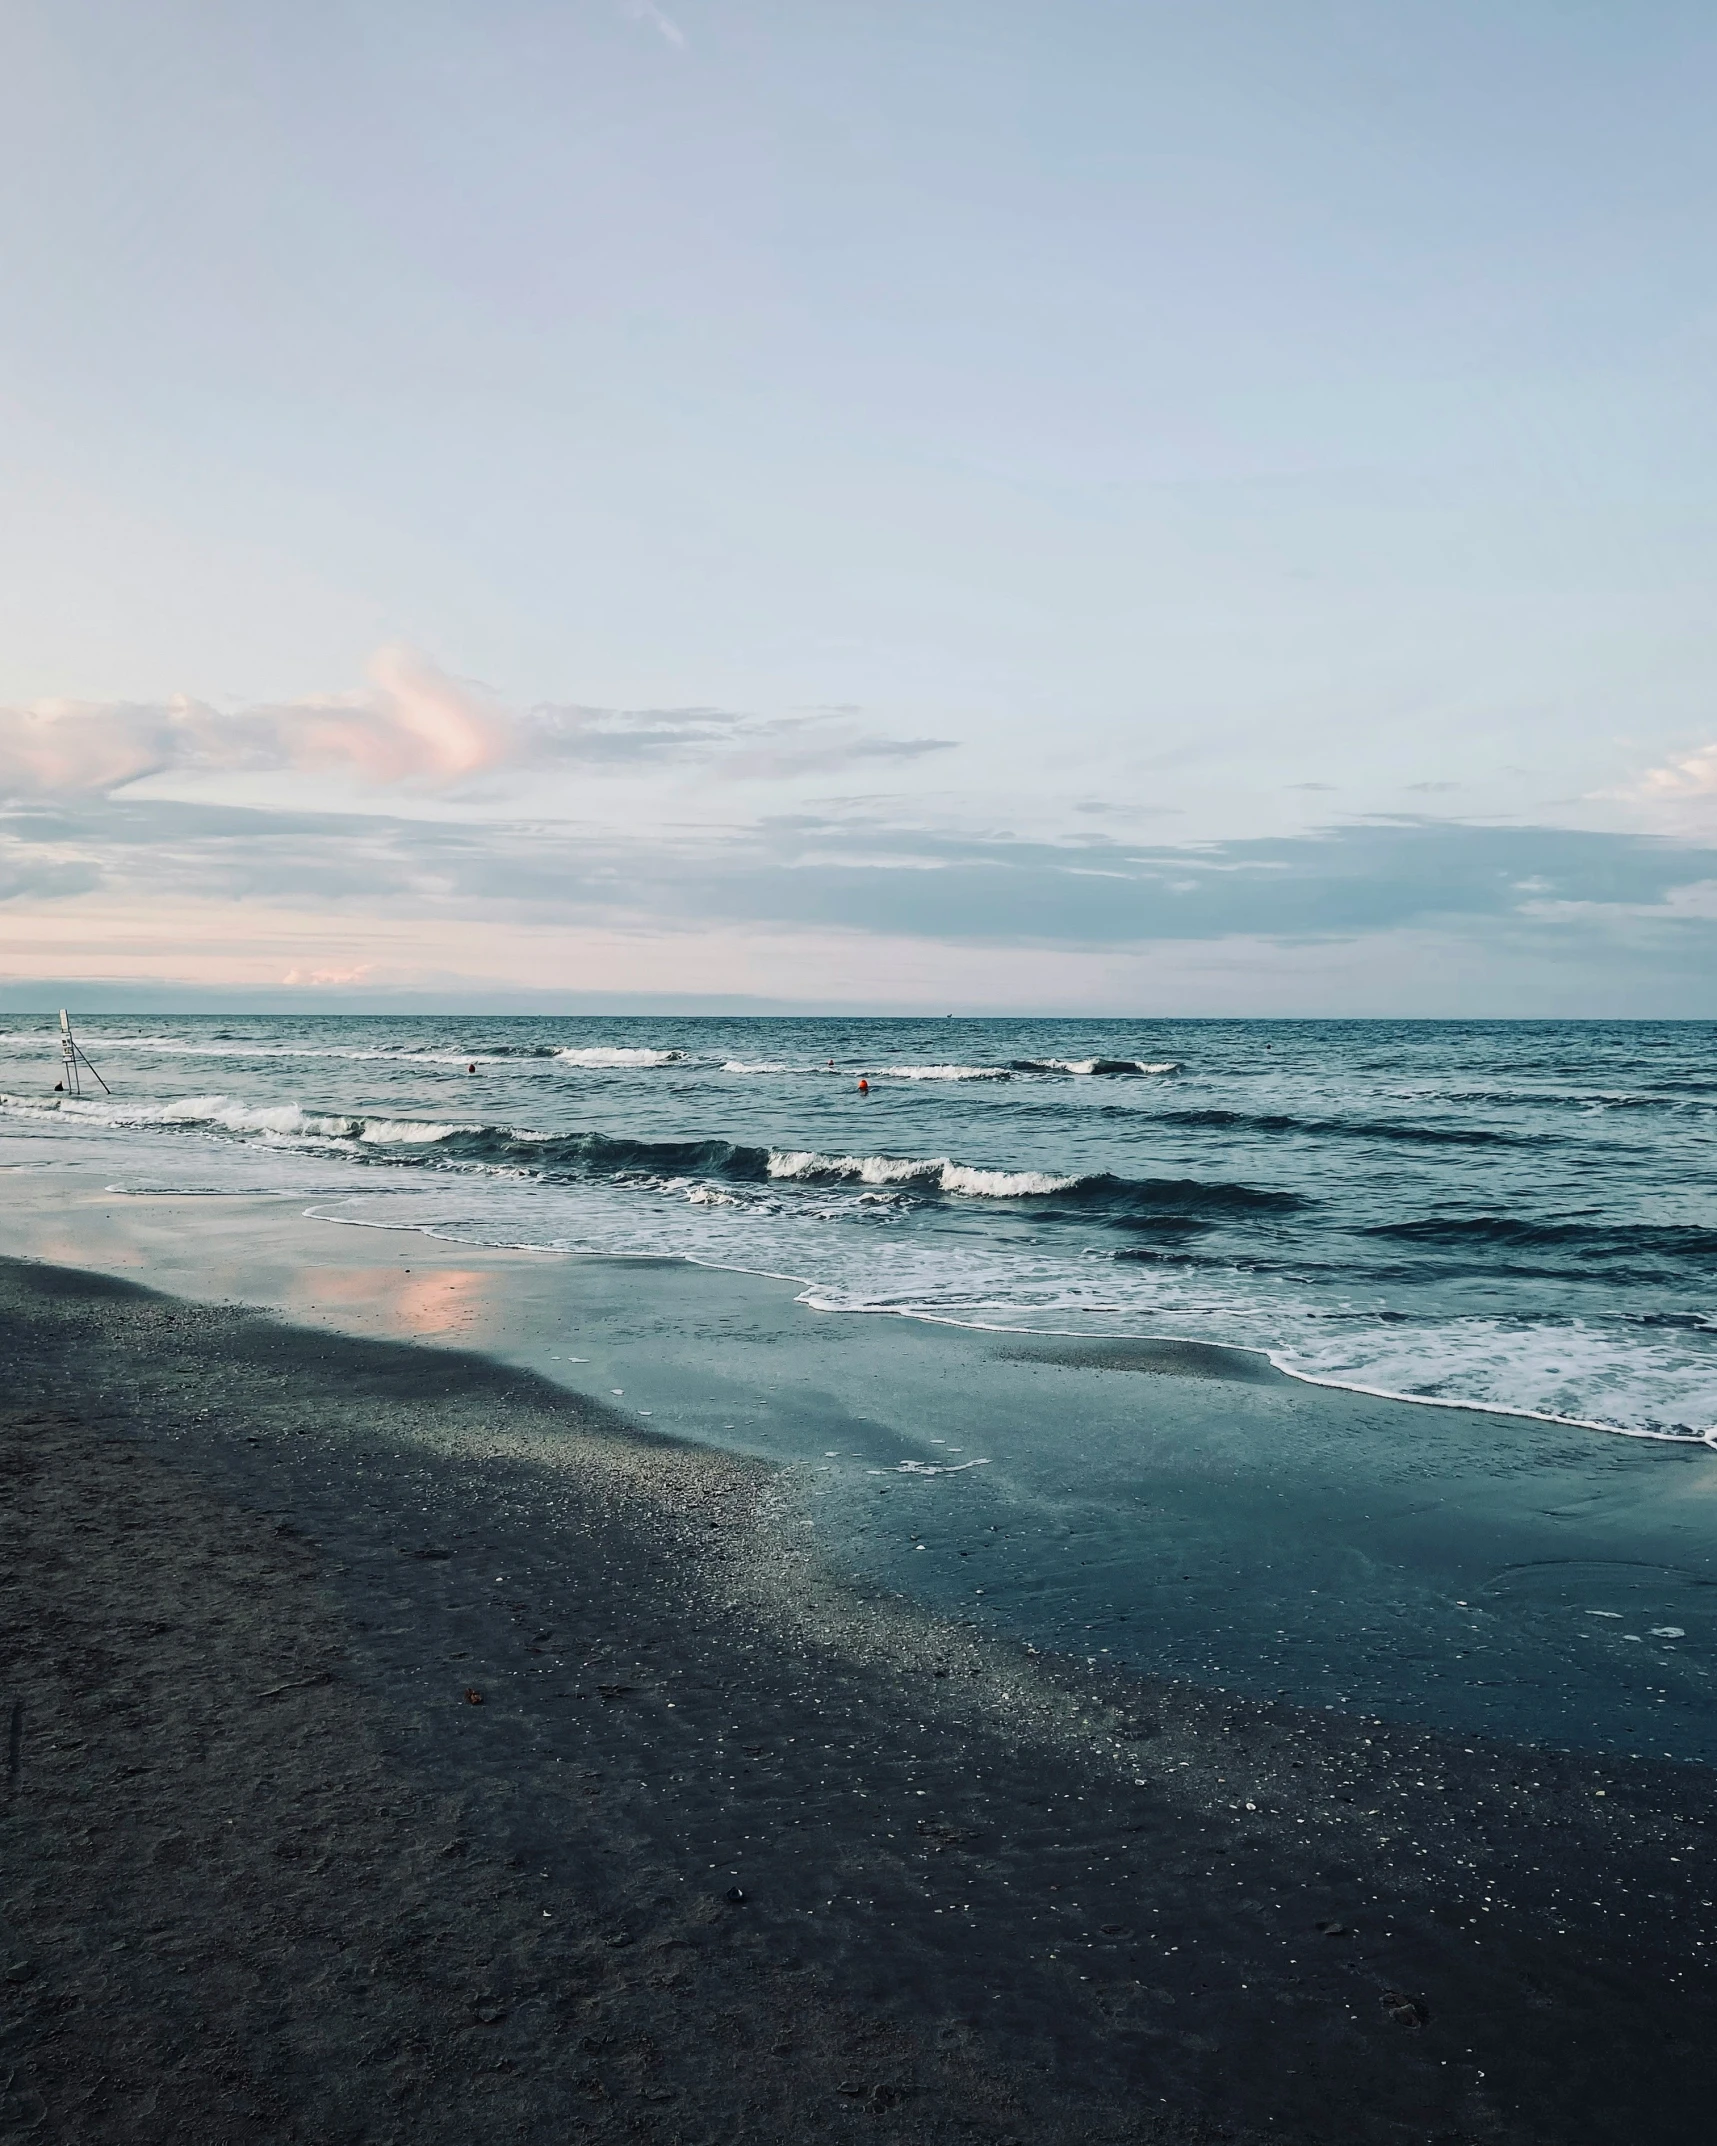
[(945, 1073), (937, 1173), (1085, 1068), (618, 1055)]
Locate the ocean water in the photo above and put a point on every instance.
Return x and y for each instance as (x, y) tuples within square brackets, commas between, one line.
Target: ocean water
[(1518, 1217)]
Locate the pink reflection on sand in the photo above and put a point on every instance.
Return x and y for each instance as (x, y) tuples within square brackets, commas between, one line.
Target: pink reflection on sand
[(440, 1300), (71, 1248)]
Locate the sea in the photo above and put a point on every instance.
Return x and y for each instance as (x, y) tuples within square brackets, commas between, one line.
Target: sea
[(1514, 1217)]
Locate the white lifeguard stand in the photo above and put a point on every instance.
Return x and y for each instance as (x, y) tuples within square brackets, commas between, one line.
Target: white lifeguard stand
[(74, 1057)]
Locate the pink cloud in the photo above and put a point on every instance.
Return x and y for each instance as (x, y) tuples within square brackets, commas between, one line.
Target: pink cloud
[(1691, 774), (67, 745), (329, 976), (411, 723)]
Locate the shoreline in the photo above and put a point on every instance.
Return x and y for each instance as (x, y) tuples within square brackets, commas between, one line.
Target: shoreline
[(1187, 1510), (1481, 1352), (988, 1893)]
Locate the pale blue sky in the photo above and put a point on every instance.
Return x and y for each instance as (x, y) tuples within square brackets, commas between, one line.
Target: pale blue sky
[(1024, 431)]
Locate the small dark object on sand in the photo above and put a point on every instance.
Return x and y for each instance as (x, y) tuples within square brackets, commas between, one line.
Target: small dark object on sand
[(1404, 2010), (473, 1697), (1335, 1929), (736, 1895)]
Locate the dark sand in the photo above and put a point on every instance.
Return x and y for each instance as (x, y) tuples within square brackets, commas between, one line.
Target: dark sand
[(268, 1874)]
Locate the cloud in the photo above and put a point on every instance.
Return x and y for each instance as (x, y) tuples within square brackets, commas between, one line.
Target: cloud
[(27, 878), (412, 725), (1690, 775), (329, 976), (867, 873), (818, 745), (1340, 884), (648, 12), (1696, 901), (70, 747), (413, 722), (738, 748)]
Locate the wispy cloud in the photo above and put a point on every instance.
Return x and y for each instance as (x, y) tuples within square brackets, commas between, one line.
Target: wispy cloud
[(872, 874), (647, 11), (844, 903), (410, 723), (413, 725), (333, 978), (1687, 775), (735, 747)]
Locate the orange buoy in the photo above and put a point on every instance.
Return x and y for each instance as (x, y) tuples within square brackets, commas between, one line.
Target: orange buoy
[(864, 1086)]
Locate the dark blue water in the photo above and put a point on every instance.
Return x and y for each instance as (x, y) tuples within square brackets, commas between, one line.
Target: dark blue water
[(1515, 1216)]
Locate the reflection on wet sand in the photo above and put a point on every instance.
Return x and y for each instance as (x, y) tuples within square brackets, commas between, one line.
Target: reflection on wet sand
[(68, 1247), (442, 1301)]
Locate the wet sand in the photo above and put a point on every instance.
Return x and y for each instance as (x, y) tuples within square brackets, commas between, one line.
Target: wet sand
[(1187, 1511), (725, 1847)]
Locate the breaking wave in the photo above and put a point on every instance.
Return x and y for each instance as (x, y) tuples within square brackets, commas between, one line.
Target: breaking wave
[(943, 1073), (614, 1054), (1087, 1066), (938, 1174), (1503, 1217), (1101, 1193), (1138, 1204), (278, 1121)]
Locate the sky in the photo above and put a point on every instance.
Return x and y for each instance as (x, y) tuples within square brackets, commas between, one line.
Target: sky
[(964, 505)]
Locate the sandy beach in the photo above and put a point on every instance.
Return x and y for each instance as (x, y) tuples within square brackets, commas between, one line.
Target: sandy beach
[(858, 1075), (402, 1746)]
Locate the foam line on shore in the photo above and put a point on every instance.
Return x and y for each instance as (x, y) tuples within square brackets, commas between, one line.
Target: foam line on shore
[(808, 1294)]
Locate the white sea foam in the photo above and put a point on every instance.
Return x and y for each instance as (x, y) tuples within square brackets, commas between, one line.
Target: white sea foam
[(1088, 1066), (1572, 1371), (854, 1231), (944, 1073), (930, 1467), (283, 1120), (606, 1054), (277, 1121), (1001, 1184), (389, 1132), (937, 1171), (867, 1169)]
